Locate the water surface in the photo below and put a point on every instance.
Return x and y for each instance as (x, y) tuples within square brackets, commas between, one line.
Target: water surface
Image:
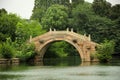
[(62, 71)]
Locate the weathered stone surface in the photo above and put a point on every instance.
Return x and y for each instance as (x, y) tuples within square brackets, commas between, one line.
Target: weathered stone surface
[(82, 43), (12, 61)]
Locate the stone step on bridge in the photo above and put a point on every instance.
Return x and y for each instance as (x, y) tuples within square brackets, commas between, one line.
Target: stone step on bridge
[(82, 43)]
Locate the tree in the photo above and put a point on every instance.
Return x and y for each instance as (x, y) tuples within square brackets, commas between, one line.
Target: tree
[(100, 28), (80, 17), (8, 25), (56, 16), (116, 34), (37, 14), (2, 11), (41, 6), (101, 7), (87, 22), (27, 28), (114, 12)]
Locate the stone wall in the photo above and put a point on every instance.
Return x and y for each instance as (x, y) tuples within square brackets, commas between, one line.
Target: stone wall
[(9, 61)]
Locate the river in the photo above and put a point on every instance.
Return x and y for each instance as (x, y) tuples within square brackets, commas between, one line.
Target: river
[(55, 69)]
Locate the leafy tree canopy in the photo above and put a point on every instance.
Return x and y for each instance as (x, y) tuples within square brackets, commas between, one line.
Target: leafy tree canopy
[(27, 28), (115, 12), (41, 6), (8, 25), (101, 7), (56, 16)]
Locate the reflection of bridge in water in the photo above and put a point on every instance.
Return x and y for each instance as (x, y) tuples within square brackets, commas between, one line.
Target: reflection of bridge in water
[(82, 43), (58, 62)]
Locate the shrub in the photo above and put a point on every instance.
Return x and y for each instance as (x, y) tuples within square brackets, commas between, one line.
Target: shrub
[(6, 51), (105, 51), (27, 52)]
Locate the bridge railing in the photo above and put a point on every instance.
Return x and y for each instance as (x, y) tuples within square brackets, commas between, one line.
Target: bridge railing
[(67, 32)]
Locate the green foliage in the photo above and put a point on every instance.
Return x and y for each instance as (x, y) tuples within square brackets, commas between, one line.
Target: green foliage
[(60, 49), (8, 26), (7, 50), (56, 16), (101, 7), (105, 51), (104, 8), (115, 12), (116, 35), (100, 28), (25, 29), (56, 49), (3, 37), (80, 17), (41, 6), (77, 2), (37, 14), (86, 21), (2, 11), (70, 50), (26, 53)]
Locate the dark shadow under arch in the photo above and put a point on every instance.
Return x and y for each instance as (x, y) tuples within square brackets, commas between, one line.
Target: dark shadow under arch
[(52, 58)]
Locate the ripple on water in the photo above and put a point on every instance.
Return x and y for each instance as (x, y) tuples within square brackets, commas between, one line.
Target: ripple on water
[(94, 72)]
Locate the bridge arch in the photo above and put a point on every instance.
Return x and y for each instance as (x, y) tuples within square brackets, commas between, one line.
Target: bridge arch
[(82, 43), (46, 45)]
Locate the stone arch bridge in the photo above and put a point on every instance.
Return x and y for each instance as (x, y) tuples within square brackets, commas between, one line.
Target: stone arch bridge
[(82, 43)]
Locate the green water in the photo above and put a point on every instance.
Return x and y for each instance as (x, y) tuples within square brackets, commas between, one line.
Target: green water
[(62, 69)]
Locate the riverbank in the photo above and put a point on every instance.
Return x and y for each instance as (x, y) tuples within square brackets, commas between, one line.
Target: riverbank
[(12, 61)]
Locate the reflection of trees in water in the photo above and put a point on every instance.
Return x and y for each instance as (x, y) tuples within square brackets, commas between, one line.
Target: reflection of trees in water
[(68, 61)]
